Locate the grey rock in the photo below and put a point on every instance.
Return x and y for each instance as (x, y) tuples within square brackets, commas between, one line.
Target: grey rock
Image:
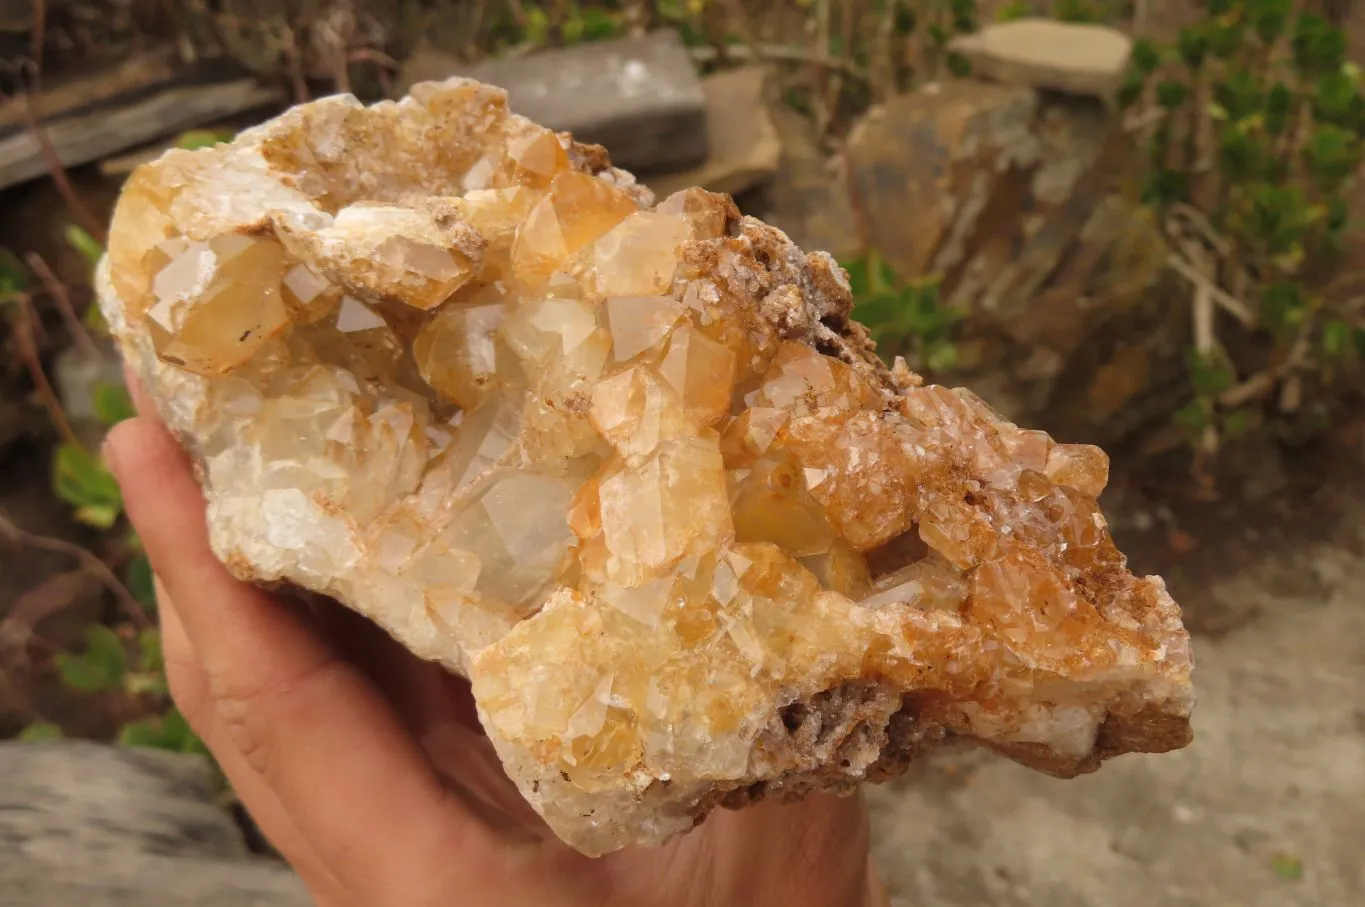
[(745, 148), (88, 825), (639, 97)]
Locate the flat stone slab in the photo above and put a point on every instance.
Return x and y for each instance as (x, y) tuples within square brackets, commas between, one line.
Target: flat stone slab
[(639, 97), (1070, 57), (745, 146), (101, 826)]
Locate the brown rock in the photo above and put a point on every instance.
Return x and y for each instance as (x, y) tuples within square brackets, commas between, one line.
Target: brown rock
[(809, 197), (745, 148), (926, 165)]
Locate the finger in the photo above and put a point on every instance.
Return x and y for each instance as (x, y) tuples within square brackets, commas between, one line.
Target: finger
[(189, 688), (306, 721), (424, 694)]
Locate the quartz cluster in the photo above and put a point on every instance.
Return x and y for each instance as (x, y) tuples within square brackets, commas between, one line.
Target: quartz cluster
[(630, 467)]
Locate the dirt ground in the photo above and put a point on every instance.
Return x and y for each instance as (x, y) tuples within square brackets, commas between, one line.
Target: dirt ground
[(1266, 807)]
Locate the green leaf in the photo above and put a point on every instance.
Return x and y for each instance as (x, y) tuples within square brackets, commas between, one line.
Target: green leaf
[(1319, 47), (964, 16), (941, 356), (1130, 92), (1240, 94), (40, 732), (100, 667), (959, 65), (112, 403), (1166, 186), (84, 481), (14, 274), (1076, 11), (1193, 45), (1014, 9), (192, 139), (1170, 94), (1242, 157), (1287, 867), (145, 733), (93, 319), (1269, 17), (1146, 56), (859, 281), (1226, 38), (169, 732), (78, 239), (1194, 416), (1336, 339), (149, 657), (1209, 377), (1331, 154), (1282, 307), (1279, 103), (138, 577), (100, 516), (1237, 423), (1335, 98), (600, 24)]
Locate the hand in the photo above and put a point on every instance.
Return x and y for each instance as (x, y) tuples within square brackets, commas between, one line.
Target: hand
[(367, 770)]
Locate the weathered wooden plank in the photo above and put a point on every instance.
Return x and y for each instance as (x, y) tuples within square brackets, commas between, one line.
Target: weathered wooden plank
[(134, 74), (86, 825), (84, 137), (640, 97)]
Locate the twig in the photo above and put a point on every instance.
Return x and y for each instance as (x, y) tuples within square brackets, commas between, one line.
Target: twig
[(39, 35), (1203, 283), (1199, 221), (57, 170), (782, 53), (824, 78), (1136, 122), (57, 290), (28, 351), (1263, 382), (92, 563)]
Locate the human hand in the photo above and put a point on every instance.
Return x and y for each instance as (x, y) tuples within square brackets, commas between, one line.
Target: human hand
[(367, 769)]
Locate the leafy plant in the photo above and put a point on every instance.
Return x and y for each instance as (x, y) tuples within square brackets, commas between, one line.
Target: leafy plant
[(906, 318), (1257, 123), (83, 481), (100, 667), (40, 732)]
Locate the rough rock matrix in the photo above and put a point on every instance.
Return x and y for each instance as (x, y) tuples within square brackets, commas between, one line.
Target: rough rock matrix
[(629, 467)]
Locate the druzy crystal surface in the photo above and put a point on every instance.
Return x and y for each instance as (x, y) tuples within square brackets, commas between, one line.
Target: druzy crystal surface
[(628, 466)]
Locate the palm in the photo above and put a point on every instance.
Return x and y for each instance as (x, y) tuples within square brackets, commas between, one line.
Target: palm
[(367, 769), (438, 709)]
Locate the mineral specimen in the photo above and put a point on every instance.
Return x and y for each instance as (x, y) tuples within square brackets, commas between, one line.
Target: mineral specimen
[(629, 467)]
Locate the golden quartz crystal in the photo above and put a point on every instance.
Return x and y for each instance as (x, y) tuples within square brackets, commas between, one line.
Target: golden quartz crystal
[(630, 467)]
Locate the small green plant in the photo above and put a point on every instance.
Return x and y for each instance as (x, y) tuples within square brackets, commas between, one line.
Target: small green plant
[(1062, 10), (82, 480), (1256, 124), (124, 662), (906, 318)]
